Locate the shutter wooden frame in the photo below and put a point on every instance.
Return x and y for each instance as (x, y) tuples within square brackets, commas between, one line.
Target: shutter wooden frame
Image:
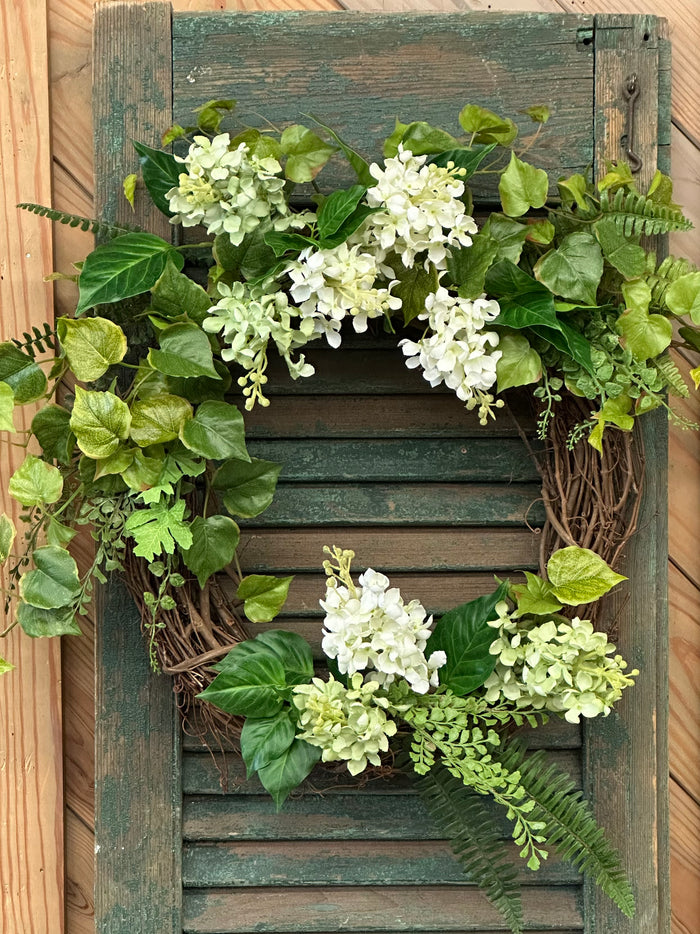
[(138, 56)]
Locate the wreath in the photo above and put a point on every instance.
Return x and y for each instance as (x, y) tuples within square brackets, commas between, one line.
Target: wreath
[(140, 439)]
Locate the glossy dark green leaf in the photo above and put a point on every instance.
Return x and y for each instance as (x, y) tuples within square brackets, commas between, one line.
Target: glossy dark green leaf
[(214, 543), (160, 173), (248, 487), (414, 286), (21, 373), (251, 688), (217, 432), (469, 159), (266, 738), (336, 208), (284, 774), (184, 351), (175, 294)]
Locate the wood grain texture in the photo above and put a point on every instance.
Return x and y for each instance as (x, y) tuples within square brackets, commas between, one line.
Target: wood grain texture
[(684, 725), (31, 793), (685, 833)]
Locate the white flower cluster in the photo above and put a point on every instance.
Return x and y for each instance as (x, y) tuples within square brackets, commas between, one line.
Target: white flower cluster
[(330, 285), (226, 190), (421, 209), (347, 723), (565, 667), (249, 319), (370, 627), (457, 350)]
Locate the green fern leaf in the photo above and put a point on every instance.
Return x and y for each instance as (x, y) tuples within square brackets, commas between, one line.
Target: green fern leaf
[(475, 839), (659, 279), (37, 340), (672, 375), (99, 228), (569, 823), (634, 215)]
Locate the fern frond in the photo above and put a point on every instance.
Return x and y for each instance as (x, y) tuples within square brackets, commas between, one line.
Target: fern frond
[(634, 215), (475, 840), (569, 823), (99, 228), (38, 340), (672, 375), (659, 279)]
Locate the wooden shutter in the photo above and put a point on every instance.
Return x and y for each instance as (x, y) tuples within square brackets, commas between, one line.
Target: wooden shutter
[(376, 462)]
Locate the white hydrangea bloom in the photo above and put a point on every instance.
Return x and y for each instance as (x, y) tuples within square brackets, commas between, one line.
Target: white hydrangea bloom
[(561, 666), (248, 320), (421, 209), (227, 191), (457, 350), (330, 285), (370, 627), (346, 723)]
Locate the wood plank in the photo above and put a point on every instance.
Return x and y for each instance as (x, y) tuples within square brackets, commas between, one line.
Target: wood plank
[(684, 722), (452, 461), (31, 792), (418, 61), (350, 862), (80, 855), (403, 504), (137, 824), (423, 909), (685, 861), (288, 551)]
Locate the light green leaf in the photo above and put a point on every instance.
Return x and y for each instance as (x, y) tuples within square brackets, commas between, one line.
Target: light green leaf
[(100, 421), (21, 373), (5, 667), (54, 582), (7, 408), (116, 463), (522, 187), (143, 473), (306, 153), (252, 687), (614, 412), (644, 335), (266, 738), (211, 114), (92, 345), (683, 296), (574, 269), (51, 426), (509, 234), (578, 575), (248, 488), (175, 294), (263, 595), (159, 419), (124, 267), (156, 529), (172, 133), (214, 543), (185, 351), (628, 258), (487, 126), (38, 623), (283, 775), (414, 285), (618, 175), (538, 114), (541, 231), (36, 483), (160, 173), (129, 187), (695, 376), (519, 364), (59, 534), (217, 432), (573, 190), (391, 143), (535, 598), (359, 164), (7, 536), (423, 139)]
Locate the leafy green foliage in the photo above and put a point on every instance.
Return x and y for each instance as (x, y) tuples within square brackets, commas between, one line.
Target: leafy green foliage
[(184, 351), (519, 363), (87, 224), (579, 575), (54, 582), (40, 340), (158, 528), (21, 373), (475, 839), (7, 408), (42, 623), (574, 269), (91, 345), (264, 739), (486, 126), (159, 419), (645, 335), (160, 173), (99, 421), (413, 288), (175, 294), (522, 187), (36, 483), (284, 774), (306, 153), (217, 432), (248, 487), (5, 666), (683, 296), (263, 596), (534, 598), (635, 215), (358, 163), (214, 543), (7, 536)]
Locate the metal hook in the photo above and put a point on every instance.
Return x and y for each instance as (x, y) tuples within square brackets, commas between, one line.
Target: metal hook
[(631, 93)]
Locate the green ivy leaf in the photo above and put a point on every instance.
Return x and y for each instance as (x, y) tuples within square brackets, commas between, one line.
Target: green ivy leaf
[(423, 139), (618, 175), (509, 234), (541, 231), (465, 637), (54, 582), (214, 543), (159, 419), (129, 187), (644, 335), (143, 473), (574, 269), (538, 114), (252, 687), (185, 351), (360, 165), (124, 267), (487, 126), (36, 483), (51, 427), (7, 408), (467, 159), (414, 286), (156, 529), (614, 412), (200, 389), (519, 363), (7, 536), (92, 345), (263, 595), (217, 432), (21, 373), (535, 598), (683, 296), (628, 258), (175, 294), (336, 209), (522, 187), (39, 623), (578, 575), (467, 266), (391, 143), (574, 190), (99, 421), (266, 738), (59, 534), (116, 463), (172, 133), (250, 259), (5, 667), (306, 153), (210, 115), (160, 173), (283, 775), (248, 488)]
